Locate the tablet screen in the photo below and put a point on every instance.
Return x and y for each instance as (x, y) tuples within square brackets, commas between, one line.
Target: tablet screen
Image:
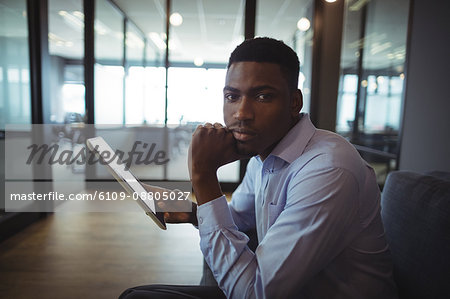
[(100, 146)]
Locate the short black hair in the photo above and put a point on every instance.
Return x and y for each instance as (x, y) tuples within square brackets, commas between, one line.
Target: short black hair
[(266, 49)]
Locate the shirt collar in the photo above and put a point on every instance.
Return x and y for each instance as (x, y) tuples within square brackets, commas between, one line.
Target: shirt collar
[(294, 142)]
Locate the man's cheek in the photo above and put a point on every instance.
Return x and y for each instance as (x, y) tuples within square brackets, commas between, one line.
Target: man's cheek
[(228, 120)]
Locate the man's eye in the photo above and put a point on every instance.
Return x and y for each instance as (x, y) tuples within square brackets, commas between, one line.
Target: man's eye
[(231, 97), (263, 97)]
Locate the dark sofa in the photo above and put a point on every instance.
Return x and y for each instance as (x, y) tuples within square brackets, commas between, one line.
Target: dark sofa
[(416, 217)]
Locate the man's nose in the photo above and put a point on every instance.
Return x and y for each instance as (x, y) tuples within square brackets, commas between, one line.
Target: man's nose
[(244, 110)]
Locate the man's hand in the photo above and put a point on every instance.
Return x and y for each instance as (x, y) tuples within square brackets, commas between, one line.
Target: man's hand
[(211, 147), (181, 217), (174, 217)]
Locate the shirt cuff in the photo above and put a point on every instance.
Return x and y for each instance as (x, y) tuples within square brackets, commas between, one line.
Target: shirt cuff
[(214, 215)]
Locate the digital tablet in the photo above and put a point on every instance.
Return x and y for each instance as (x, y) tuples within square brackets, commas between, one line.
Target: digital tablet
[(128, 181)]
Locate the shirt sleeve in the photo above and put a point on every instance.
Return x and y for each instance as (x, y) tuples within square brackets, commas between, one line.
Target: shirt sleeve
[(242, 205), (313, 227)]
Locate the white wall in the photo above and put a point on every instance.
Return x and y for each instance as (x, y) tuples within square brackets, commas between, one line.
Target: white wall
[(425, 144)]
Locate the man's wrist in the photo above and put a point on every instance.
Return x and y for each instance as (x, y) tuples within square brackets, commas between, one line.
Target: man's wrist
[(194, 219), (206, 187)]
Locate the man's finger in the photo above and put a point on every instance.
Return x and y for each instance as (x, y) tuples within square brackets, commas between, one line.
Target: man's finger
[(177, 217)]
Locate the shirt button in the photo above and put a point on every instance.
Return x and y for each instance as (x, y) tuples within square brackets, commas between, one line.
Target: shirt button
[(200, 220)]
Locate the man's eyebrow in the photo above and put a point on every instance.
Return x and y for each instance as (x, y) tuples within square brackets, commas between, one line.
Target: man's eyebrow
[(262, 87), (229, 88), (252, 90)]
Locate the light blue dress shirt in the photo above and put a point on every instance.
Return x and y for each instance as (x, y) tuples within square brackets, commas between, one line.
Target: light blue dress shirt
[(316, 207)]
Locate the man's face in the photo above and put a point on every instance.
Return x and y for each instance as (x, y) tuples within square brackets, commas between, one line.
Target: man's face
[(258, 106)]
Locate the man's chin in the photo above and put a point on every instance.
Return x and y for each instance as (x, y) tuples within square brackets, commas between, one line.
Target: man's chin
[(245, 150)]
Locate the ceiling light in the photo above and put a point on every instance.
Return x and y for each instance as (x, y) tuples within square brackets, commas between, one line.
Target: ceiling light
[(59, 41), (156, 39), (303, 24), (176, 19), (358, 5), (198, 61), (133, 40), (330, 1), (377, 47), (101, 28), (364, 83), (79, 15), (74, 20), (53, 38), (400, 56)]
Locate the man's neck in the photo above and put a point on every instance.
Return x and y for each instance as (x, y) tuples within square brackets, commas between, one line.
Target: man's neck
[(295, 121)]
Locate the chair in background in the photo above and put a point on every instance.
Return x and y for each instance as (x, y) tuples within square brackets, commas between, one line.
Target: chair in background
[(416, 217)]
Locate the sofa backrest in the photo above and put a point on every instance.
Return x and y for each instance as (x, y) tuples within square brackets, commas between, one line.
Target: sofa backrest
[(416, 217)]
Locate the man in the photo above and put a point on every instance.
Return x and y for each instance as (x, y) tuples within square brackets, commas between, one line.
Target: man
[(314, 202)]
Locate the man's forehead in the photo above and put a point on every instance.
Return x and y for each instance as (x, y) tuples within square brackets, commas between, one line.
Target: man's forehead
[(253, 72), (253, 68)]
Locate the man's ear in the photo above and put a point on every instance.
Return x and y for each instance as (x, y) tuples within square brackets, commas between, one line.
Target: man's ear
[(297, 102)]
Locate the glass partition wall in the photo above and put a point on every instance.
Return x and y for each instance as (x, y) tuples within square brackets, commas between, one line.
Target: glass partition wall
[(130, 75), (15, 99), (66, 49), (203, 33), (291, 22), (371, 79), (108, 69), (128, 71)]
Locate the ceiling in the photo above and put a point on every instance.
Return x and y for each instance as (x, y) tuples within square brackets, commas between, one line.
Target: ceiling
[(212, 28)]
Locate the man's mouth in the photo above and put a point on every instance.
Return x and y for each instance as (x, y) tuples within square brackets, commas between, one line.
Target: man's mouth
[(243, 135)]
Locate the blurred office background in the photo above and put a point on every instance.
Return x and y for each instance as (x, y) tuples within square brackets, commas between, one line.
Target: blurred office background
[(371, 70)]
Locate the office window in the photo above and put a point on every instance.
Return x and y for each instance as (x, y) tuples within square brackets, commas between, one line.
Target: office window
[(347, 103), (145, 78), (383, 103), (108, 93), (202, 38), (15, 101), (196, 94), (134, 76), (154, 94), (291, 22), (371, 84), (203, 34), (108, 69), (66, 49)]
